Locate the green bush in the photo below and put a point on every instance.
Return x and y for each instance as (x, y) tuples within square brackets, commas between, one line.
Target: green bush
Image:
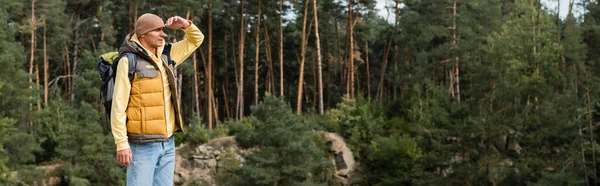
[(285, 152)]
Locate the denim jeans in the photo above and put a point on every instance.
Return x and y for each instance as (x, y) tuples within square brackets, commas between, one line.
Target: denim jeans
[(153, 164)]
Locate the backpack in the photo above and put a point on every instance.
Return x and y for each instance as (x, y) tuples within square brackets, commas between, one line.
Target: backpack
[(107, 67)]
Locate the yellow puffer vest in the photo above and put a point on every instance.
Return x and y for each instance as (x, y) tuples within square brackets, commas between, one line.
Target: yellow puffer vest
[(146, 120)]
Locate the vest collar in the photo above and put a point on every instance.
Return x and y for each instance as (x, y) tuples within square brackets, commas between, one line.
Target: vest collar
[(154, 57)]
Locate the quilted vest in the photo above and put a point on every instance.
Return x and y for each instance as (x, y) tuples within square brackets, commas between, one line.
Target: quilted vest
[(146, 112)]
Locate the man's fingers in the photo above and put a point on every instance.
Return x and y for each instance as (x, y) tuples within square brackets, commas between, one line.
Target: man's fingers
[(129, 158), (169, 21), (175, 22), (124, 157), (122, 160)]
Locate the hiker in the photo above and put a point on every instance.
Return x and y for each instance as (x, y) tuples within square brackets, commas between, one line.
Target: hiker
[(145, 110)]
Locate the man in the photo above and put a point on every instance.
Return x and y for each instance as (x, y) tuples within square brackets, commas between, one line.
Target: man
[(145, 111)]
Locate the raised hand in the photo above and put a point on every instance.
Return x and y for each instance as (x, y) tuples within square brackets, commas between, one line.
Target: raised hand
[(177, 22)]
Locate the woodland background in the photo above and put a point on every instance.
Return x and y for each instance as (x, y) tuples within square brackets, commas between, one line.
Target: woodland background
[(450, 92)]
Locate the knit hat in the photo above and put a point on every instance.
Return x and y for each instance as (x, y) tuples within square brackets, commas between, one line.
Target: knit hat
[(147, 23)]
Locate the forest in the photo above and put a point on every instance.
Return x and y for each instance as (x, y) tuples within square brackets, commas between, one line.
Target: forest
[(439, 92)]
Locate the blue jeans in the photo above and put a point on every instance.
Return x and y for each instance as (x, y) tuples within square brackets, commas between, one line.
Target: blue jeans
[(153, 164)]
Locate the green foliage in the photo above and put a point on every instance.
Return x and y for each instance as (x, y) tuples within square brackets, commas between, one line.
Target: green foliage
[(88, 154), (6, 130), (197, 133), (388, 152), (285, 153), (522, 84), (29, 174)]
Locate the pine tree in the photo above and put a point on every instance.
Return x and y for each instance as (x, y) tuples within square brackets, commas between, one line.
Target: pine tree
[(287, 153)]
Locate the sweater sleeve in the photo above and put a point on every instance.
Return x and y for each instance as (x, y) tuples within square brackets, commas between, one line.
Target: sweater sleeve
[(183, 49), (119, 104)]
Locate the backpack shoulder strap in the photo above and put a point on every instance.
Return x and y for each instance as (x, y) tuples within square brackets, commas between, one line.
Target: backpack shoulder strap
[(167, 52), (132, 61)]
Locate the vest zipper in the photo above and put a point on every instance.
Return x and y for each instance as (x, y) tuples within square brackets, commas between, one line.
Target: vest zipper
[(174, 104), (164, 101)]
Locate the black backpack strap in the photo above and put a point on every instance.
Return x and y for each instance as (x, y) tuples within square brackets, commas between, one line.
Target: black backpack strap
[(167, 52), (132, 61)]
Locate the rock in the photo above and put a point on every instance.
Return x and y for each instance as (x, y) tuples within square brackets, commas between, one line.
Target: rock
[(179, 179), (211, 163), (185, 164), (205, 151), (200, 157), (343, 157), (200, 174), (340, 181), (224, 153), (199, 164)]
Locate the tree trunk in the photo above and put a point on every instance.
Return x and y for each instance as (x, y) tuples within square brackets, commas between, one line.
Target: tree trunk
[(457, 70), (236, 74), (256, 57), (533, 29), (395, 87), (303, 54), (493, 90), (135, 11), (281, 48), (241, 58), (75, 54), (68, 72), (368, 70), (93, 44), (179, 82), (351, 48), (226, 100), (591, 131), (209, 75), (130, 17), (37, 83), (319, 61), (270, 73), (380, 87), (313, 65), (196, 93), (45, 67), (382, 75), (32, 43), (225, 62)]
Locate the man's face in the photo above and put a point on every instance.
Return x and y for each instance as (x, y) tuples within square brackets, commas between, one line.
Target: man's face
[(155, 38)]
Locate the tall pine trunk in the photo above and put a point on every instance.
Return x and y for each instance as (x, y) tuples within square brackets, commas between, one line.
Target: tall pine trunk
[(241, 58), (270, 73), (368, 70), (32, 42), (351, 49), (281, 48), (256, 57), (319, 62), (303, 56), (209, 75), (75, 55), (196, 93), (68, 72), (380, 87), (456, 68), (591, 131), (225, 93), (45, 67), (37, 82)]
